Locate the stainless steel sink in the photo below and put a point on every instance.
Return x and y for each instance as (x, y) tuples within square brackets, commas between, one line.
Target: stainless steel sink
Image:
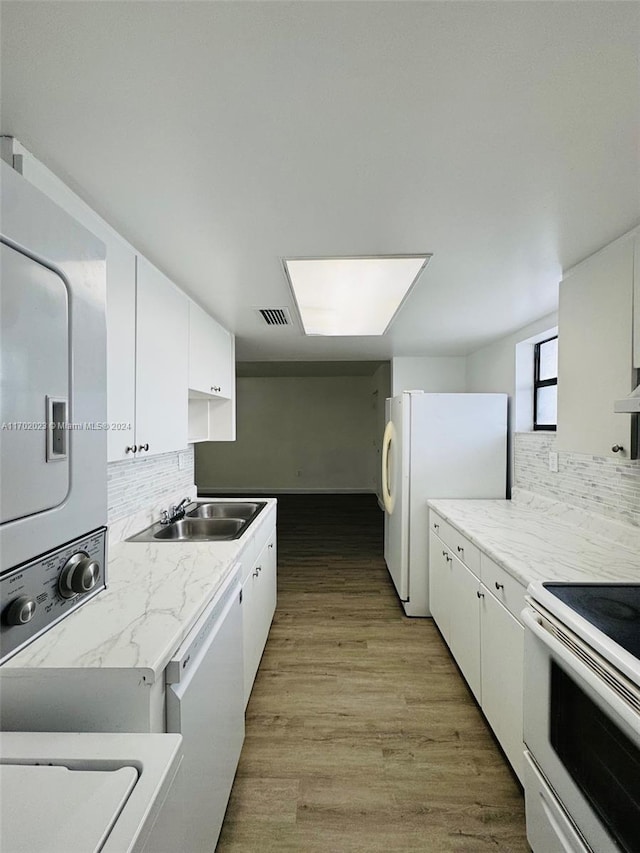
[(198, 529), (225, 510), (205, 522)]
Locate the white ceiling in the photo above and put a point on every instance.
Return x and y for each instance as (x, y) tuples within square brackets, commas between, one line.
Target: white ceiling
[(220, 136)]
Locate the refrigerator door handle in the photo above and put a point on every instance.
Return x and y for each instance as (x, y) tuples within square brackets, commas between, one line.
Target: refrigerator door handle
[(387, 439)]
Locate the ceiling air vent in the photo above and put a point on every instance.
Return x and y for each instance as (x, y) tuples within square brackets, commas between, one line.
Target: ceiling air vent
[(275, 316)]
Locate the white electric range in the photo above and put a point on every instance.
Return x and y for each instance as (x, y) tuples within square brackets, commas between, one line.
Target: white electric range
[(582, 717)]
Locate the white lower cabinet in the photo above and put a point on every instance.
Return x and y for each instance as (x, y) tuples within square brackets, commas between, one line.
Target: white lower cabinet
[(477, 616), (258, 603), (440, 585), (502, 670), (465, 624)]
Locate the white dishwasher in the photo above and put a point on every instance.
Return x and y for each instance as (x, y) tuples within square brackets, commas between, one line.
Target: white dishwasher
[(205, 704)]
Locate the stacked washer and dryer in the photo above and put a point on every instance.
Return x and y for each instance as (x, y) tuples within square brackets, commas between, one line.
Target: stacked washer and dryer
[(88, 792)]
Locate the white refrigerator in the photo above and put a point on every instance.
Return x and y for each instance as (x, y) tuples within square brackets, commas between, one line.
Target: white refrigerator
[(435, 446)]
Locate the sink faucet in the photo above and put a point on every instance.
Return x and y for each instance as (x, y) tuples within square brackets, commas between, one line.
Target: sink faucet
[(174, 513)]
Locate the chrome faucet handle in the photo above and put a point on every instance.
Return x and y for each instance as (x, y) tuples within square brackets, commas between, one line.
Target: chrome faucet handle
[(164, 516)]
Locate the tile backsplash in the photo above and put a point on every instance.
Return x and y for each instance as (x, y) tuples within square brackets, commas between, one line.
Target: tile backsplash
[(140, 484), (597, 484)]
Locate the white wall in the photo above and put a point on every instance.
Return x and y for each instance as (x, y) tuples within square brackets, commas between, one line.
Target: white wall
[(493, 368), (428, 374), (294, 433)]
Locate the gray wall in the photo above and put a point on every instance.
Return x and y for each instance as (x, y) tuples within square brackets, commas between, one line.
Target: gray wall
[(298, 433)]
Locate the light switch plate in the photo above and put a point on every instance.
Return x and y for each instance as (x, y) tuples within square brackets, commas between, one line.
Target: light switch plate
[(553, 461)]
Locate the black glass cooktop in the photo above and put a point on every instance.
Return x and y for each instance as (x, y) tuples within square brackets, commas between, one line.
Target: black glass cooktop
[(612, 608)]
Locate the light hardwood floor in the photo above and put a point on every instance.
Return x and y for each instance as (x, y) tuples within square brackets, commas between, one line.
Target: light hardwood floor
[(361, 734)]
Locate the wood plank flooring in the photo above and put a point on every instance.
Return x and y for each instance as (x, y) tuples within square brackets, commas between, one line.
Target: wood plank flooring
[(361, 734)]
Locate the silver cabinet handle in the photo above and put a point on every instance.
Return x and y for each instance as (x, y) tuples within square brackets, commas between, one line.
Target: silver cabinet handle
[(460, 549), (270, 544), (132, 449), (617, 448), (436, 526), (216, 388), (479, 594), (444, 553), (142, 447), (499, 585)]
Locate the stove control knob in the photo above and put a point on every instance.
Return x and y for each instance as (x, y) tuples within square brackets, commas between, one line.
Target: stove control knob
[(20, 611), (79, 575)]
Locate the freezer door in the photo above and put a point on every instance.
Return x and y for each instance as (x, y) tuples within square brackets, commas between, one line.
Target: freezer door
[(34, 386), (397, 475)]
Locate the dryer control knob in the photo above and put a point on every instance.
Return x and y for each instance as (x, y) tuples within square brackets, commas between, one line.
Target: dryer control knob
[(20, 611), (78, 576)]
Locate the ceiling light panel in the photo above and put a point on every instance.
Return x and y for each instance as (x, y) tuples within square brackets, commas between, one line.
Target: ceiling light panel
[(351, 296)]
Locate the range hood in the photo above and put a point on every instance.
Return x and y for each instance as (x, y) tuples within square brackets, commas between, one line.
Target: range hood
[(630, 404)]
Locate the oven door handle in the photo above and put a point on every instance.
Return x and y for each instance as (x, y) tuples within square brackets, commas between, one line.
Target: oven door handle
[(609, 695)]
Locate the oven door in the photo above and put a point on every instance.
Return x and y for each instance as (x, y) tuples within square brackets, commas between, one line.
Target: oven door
[(582, 727)]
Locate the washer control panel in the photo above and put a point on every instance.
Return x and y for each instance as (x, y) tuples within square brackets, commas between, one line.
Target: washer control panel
[(38, 594)]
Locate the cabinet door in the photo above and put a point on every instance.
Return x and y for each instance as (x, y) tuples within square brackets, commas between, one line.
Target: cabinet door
[(162, 341), (250, 630), (465, 624), (210, 355), (440, 585), (595, 352), (223, 355), (266, 565), (121, 347), (259, 603), (502, 673)]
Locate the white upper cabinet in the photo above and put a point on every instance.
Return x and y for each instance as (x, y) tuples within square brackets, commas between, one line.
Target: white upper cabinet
[(212, 379), (162, 347), (211, 355), (121, 347), (595, 352)]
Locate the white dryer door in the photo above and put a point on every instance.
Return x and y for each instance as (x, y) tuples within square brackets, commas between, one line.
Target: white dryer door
[(34, 386)]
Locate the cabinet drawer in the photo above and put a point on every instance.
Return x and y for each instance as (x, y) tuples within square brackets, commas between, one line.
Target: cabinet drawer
[(502, 585), (458, 544)]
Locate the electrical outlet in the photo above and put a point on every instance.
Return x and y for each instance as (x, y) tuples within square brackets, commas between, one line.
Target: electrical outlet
[(553, 461), (182, 461)]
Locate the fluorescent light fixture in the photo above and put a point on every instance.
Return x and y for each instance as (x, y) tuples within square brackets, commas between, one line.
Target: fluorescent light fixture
[(351, 296)]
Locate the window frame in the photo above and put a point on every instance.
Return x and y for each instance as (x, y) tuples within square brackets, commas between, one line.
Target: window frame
[(542, 383)]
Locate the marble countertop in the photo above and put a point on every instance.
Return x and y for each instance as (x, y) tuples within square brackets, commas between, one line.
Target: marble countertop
[(155, 594), (538, 542)]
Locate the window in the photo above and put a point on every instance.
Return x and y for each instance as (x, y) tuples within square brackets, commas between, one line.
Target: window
[(545, 384)]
